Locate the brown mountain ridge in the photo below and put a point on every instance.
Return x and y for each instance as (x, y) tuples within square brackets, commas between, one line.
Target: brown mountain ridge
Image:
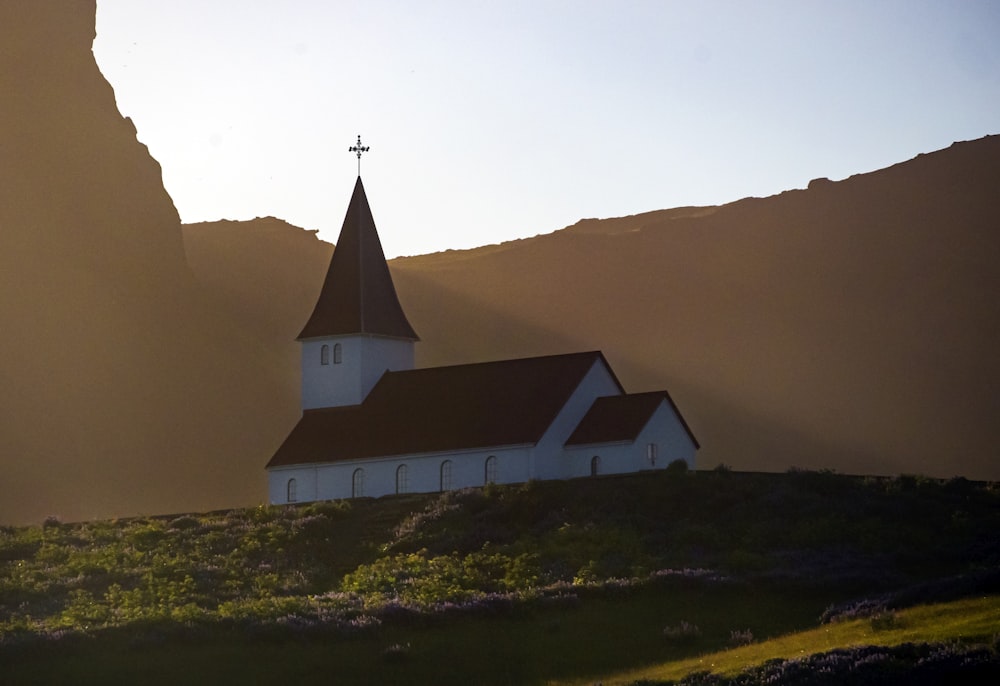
[(848, 326)]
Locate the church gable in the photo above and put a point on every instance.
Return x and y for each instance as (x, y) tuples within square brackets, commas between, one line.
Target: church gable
[(620, 418)]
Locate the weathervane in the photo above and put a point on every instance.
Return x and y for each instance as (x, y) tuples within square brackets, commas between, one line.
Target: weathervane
[(358, 149)]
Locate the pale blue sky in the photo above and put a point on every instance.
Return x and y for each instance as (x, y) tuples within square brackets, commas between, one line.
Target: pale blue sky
[(489, 121)]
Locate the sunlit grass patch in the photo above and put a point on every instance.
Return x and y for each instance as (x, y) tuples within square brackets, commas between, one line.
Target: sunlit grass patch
[(975, 620)]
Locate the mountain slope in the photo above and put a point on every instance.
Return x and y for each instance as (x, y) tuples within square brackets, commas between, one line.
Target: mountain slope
[(848, 326)]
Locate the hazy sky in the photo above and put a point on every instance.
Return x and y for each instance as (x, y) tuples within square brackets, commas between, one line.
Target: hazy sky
[(496, 120)]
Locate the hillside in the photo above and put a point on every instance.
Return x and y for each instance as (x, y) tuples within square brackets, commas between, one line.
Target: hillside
[(529, 584), (848, 326)]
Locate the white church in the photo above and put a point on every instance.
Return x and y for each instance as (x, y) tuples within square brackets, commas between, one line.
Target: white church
[(373, 425)]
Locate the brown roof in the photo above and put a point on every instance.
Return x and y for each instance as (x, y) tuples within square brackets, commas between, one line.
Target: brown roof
[(618, 418), (358, 295), (491, 404)]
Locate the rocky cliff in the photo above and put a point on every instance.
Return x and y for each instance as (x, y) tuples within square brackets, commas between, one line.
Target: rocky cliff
[(123, 386)]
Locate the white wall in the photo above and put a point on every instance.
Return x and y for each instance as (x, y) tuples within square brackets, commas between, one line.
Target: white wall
[(363, 361), (379, 355), (335, 481), (664, 429), (667, 429), (549, 461), (277, 484), (546, 460)]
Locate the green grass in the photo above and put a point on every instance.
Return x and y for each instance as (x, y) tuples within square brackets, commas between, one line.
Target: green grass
[(569, 568), (975, 620), (599, 640), (535, 646)]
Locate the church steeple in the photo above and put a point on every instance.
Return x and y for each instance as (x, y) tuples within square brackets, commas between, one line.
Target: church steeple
[(358, 296), (357, 331)]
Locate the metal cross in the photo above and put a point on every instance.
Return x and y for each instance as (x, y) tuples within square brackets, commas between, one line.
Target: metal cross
[(358, 149)]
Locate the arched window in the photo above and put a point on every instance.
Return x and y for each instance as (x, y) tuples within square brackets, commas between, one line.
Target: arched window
[(491, 469), (324, 354), (402, 483), (651, 454), (446, 475), (338, 353), (292, 491), (595, 465), (358, 483)]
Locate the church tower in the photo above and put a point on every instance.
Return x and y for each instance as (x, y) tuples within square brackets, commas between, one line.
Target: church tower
[(358, 330)]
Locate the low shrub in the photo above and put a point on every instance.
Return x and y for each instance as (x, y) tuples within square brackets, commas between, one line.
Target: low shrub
[(184, 523), (740, 637), (682, 632), (903, 664), (678, 466), (884, 621), (397, 652)]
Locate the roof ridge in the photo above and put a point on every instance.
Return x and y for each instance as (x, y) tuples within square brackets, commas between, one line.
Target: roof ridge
[(509, 360)]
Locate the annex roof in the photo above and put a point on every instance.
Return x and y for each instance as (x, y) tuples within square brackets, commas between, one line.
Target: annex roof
[(620, 418), (462, 407), (358, 295)]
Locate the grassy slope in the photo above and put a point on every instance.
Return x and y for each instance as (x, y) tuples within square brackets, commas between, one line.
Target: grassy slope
[(975, 620), (224, 596), (567, 646), (592, 637)]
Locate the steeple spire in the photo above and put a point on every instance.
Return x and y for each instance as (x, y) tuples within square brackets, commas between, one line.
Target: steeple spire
[(358, 296)]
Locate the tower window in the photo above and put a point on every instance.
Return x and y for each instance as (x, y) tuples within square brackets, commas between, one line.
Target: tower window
[(324, 355), (651, 454), (338, 353)]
